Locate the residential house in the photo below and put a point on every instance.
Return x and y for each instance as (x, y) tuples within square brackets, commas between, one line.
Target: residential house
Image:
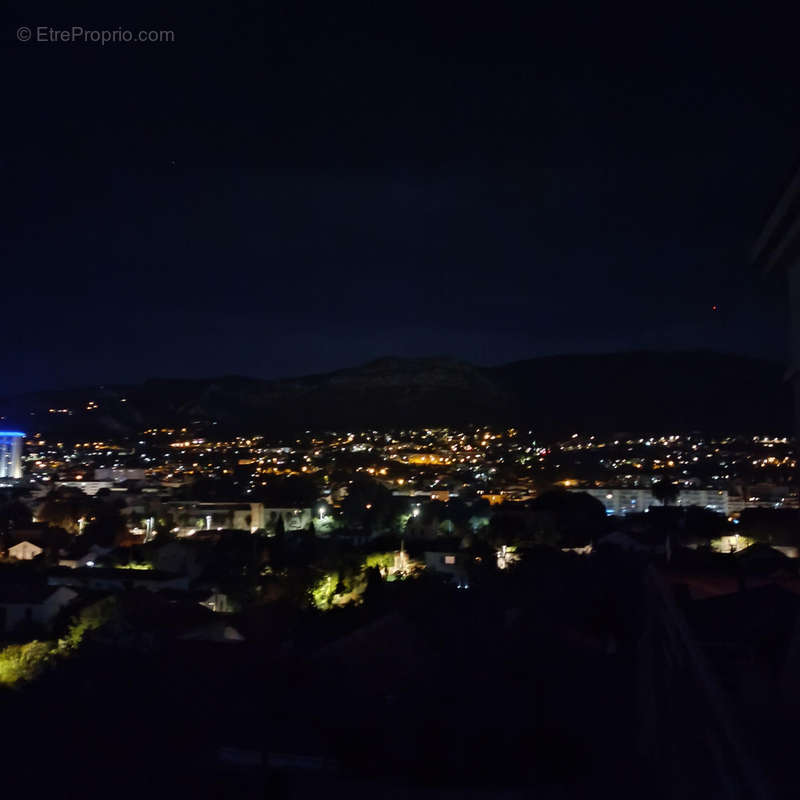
[(116, 580), (36, 604), (454, 565), (25, 551)]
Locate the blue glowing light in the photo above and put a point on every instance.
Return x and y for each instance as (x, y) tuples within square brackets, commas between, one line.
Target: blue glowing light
[(11, 433)]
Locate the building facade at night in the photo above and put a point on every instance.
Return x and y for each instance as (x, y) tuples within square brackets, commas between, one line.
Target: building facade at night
[(10, 454), (620, 502)]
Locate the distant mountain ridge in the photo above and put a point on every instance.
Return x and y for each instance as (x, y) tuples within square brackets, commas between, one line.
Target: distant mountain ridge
[(555, 395)]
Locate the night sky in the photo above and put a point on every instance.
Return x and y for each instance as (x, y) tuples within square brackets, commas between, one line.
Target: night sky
[(292, 190)]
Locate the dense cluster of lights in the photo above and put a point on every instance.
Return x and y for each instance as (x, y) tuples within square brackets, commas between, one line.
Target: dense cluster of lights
[(500, 464)]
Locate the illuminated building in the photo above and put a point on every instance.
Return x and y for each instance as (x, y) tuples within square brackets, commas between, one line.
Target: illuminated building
[(619, 502), (10, 453), (118, 474)]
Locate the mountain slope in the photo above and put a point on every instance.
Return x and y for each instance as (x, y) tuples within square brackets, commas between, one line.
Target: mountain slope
[(648, 391), (556, 395)]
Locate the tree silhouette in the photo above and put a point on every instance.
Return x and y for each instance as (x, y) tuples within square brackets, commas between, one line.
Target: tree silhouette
[(665, 491)]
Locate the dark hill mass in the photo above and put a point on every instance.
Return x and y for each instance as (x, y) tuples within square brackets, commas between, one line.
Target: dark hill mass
[(555, 395), (649, 391)]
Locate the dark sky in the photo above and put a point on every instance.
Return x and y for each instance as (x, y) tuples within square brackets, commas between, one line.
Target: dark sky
[(293, 189)]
